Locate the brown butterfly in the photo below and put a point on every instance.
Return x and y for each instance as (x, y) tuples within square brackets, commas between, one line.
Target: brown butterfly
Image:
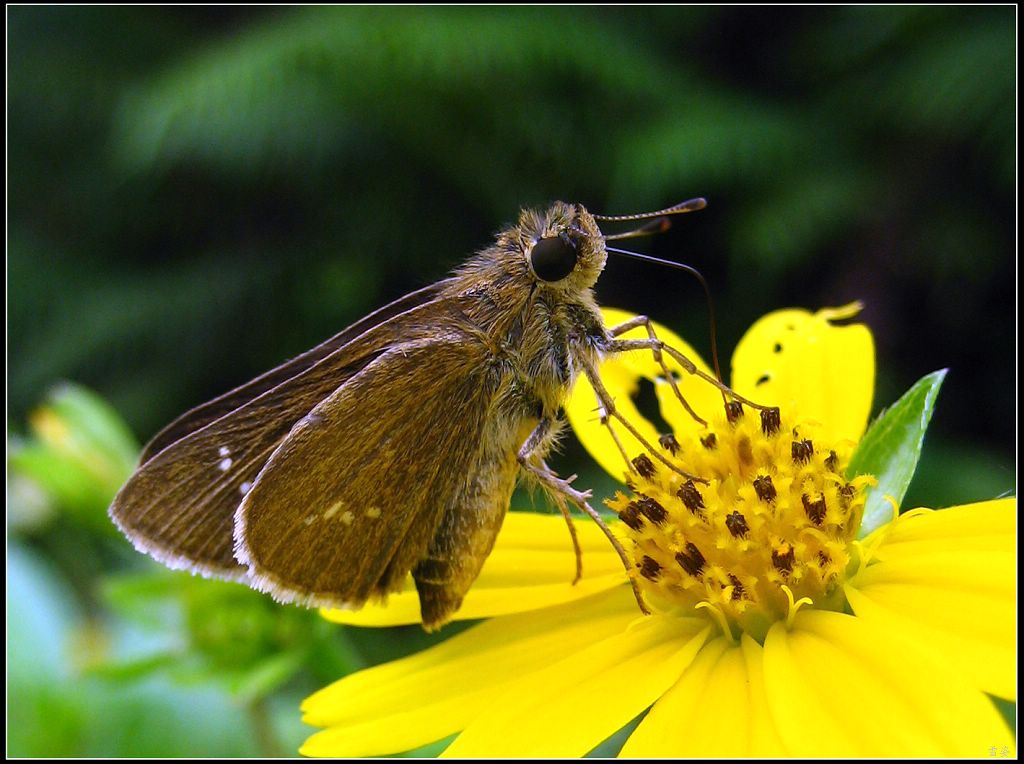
[(395, 445)]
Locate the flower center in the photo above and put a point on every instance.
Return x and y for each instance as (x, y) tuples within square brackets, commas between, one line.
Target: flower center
[(773, 524)]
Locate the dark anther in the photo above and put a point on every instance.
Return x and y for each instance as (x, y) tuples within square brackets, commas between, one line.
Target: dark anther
[(631, 516), (669, 443), (691, 560), (765, 488), (803, 450), (652, 510), (814, 509), (738, 591), (733, 411), (823, 559), (831, 461), (777, 348), (644, 466), (709, 441), (783, 561), (771, 420), (737, 524), (649, 568), (846, 493), (691, 497)]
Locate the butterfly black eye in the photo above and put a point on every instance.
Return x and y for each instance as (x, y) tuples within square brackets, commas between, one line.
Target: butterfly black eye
[(553, 258)]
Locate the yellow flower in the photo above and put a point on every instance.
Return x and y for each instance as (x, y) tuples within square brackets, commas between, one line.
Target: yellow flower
[(775, 631)]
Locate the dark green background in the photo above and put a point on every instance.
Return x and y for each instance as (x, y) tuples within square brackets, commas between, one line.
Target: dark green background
[(195, 194)]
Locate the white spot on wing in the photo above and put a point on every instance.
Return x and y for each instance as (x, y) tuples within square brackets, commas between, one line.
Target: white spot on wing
[(223, 451), (244, 487), (225, 464), (333, 510)]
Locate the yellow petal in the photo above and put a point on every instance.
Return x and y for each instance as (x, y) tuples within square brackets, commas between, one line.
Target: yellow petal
[(984, 616), (804, 711), (764, 735), (982, 527), (841, 687), (959, 605), (667, 730), (717, 709), (427, 696), (969, 572), (531, 567), (621, 375), (946, 580), (989, 665), (793, 358), (571, 706)]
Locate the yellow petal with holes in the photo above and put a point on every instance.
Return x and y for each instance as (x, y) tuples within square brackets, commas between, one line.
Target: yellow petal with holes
[(621, 374), (432, 694), (797, 359), (718, 708), (532, 566), (571, 706), (839, 686), (946, 580)]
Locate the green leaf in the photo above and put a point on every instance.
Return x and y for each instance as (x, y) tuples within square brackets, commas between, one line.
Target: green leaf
[(97, 428), (430, 750), (892, 447), (136, 668), (79, 453), (265, 677), (66, 481), (611, 747)]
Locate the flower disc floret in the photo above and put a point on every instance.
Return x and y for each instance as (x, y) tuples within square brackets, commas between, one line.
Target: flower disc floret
[(768, 525)]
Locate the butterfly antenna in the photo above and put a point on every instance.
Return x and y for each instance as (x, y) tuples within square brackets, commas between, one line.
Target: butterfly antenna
[(690, 205), (656, 226)]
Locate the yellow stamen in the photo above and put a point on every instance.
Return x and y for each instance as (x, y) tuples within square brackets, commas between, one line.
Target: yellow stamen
[(718, 615), (794, 606)]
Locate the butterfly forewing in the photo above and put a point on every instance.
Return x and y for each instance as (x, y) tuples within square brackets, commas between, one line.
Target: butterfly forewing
[(179, 506), (223, 405)]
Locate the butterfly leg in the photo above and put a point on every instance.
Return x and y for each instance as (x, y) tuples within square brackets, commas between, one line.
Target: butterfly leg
[(607, 422), (644, 321), (608, 411), (561, 491), (527, 457), (655, 344)]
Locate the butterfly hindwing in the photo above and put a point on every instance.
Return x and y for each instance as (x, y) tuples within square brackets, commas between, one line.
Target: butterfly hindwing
[(353, 498)]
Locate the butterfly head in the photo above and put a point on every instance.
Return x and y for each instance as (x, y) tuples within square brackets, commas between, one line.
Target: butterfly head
[(562, 248)]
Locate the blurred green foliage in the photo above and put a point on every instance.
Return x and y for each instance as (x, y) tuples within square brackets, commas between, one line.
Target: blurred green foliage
[(80, 451), (196, 193)]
